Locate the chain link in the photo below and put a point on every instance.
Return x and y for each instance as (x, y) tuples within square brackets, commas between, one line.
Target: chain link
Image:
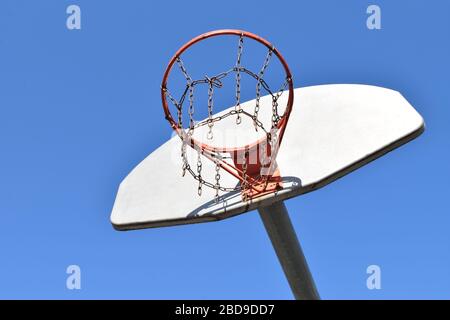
[(177, 105), (217, 185), (199, 172), (258, 84), (244, 175), (210, 108), (183, 70), (191, 107), (238, 79), (275, 116), (273, 149), (184, 158)]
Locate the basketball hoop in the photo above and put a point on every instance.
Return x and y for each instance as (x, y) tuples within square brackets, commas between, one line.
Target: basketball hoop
[(254, 163)]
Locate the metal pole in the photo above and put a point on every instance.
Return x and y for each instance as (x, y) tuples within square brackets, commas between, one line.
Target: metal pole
[(284, 240)]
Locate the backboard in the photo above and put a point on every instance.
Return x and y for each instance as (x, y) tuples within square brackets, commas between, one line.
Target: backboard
[(333, 130)]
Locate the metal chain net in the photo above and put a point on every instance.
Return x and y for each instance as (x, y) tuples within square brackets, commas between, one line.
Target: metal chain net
[(215, 82)]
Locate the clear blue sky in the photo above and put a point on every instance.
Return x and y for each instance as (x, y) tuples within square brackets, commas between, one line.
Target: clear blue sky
[(79, 109)]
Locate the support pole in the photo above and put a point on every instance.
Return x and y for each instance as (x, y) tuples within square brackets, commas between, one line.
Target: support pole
[(284, 240)]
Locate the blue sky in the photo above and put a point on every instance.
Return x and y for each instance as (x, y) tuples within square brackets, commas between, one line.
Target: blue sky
[(80, 108)]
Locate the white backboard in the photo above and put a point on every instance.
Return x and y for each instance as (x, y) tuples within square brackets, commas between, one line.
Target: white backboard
[(333, 130)]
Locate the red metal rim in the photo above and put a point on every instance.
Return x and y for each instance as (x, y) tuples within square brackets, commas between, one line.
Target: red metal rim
[(203, 146)]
